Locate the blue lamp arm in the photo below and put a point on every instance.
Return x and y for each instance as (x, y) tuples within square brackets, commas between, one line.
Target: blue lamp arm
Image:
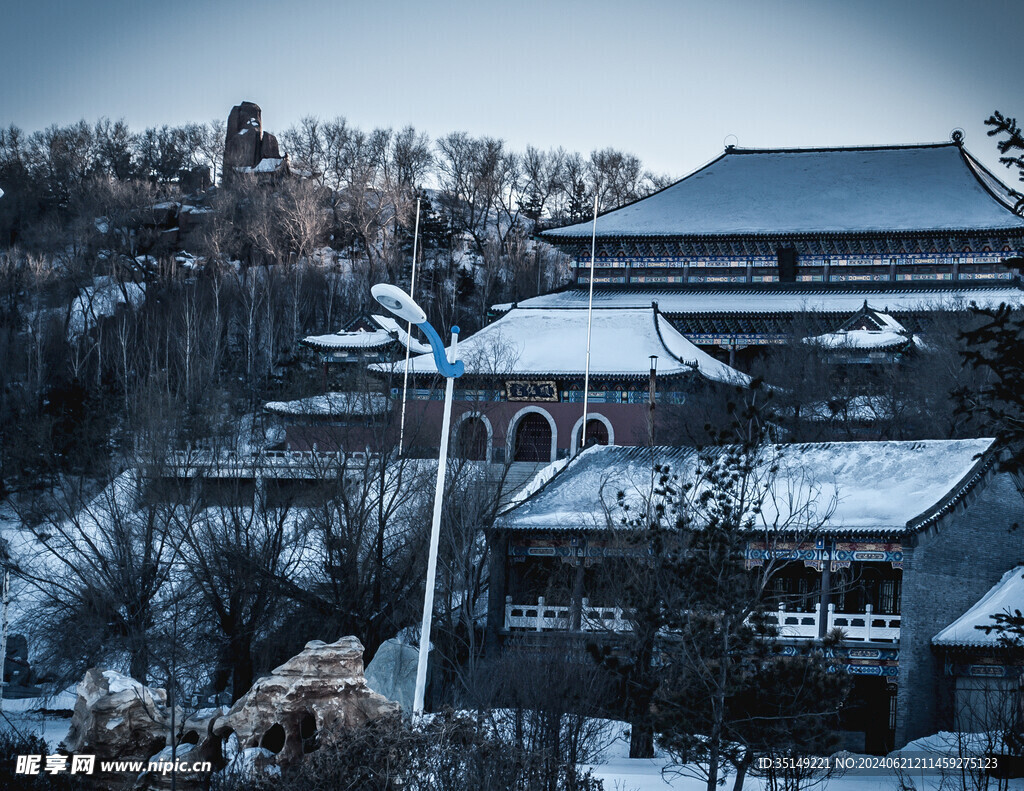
[(446, 368)]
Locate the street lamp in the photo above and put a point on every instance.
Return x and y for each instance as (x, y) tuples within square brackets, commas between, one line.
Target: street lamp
[(403, 306)]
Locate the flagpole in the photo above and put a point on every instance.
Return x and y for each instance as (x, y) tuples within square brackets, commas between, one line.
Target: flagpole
[(590, 318), (408, 333)]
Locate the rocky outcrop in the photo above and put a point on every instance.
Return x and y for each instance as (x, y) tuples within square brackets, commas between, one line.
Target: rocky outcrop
[(269, 148), (307, 699), (247, 148), (243, 144), (117, 718)]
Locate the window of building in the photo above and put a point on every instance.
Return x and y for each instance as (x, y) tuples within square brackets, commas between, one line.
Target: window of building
[(471, 442)]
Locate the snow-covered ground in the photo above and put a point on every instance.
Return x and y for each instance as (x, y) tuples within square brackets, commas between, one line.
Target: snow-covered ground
[(621, 773), (50, 718)]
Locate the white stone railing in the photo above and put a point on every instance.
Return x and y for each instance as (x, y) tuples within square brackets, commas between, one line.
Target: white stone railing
[(864, 626), (541, 617), (861, 627), (230, 462)]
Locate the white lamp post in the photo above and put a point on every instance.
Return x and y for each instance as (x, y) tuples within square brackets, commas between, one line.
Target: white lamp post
[(403, 306)]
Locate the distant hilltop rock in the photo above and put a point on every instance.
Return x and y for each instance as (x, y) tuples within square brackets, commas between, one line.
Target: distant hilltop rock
[(247, 148)]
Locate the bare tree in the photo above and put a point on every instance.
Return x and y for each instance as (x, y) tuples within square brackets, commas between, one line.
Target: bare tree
[(237, 541), (98, 568)]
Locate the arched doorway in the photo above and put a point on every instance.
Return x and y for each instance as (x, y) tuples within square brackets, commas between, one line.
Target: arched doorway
[(532, 439), (471, 442), (597, 434)]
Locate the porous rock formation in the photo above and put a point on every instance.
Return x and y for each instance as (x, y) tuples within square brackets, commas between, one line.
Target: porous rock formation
[(300, 704), (117, 718), (308, 698)]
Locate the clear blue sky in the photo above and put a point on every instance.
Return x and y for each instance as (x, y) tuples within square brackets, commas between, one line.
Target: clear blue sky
[(667, 80)]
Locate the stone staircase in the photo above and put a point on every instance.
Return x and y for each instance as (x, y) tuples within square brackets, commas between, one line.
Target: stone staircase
[(519, 474)]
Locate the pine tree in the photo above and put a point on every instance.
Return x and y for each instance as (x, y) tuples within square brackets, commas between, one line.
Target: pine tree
[(1013, 141)]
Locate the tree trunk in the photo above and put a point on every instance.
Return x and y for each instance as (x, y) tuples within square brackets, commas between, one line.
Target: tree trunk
[(641, 740), (138, 665), (741, 770), (242, 670)]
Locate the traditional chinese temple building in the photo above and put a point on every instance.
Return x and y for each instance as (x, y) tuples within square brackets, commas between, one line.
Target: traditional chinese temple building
[(363, 342), (734, 251), (891, 542), (521, 398), (869, 337), (332, 421)]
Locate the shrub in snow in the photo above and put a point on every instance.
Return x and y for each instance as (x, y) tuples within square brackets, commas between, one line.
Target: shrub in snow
[(12, 745), (445, 751)]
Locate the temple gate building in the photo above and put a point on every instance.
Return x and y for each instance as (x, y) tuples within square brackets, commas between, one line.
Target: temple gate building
[(521, 398)]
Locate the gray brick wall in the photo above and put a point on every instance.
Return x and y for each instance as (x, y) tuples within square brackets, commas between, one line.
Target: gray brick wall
[(950, 568)]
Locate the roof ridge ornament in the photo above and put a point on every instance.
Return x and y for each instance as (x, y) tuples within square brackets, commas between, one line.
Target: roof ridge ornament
[(957, 136)]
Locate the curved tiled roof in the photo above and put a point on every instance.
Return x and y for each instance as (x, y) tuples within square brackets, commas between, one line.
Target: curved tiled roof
[(781, 298), (349, 340), (937, 187), (1006, 596), (528, 343), (840, 488)]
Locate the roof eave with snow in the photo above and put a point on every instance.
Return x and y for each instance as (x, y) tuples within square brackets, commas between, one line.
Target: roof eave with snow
[(527, 343), (881, 489), (1005, 596), (789, 193)]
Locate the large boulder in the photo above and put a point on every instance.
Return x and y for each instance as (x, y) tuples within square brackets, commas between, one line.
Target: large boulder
[(392, 672), (304, 701)]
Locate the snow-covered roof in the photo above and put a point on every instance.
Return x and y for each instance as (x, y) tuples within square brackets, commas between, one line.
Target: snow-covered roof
[(860, 339), (331, 404), (778, 300), (527, 342), (359, 339), (855, 487), (886, 321), (1006, 596), (868, 329), (367, 339), (829, 190)]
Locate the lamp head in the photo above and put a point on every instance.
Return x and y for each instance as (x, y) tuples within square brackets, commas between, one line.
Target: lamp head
[(398, 302)]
